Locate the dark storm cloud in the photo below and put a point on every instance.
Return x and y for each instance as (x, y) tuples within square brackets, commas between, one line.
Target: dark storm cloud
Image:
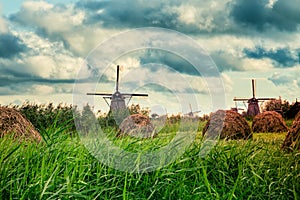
[(10, 77), (155, 13), (282, 57), (288, 9), (12, 80), (171, 60), (17, 85), (129, 13), (250, 12), (284, 15), (10, 46)]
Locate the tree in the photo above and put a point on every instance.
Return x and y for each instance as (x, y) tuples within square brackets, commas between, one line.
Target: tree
[(136, 109), (277, 105)]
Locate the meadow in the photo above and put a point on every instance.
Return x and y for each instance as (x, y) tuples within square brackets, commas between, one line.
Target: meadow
[(61, 167)]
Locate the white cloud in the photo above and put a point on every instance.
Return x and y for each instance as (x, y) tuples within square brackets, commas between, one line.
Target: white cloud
[(47, 59), (40, 6), (42, 89), (52, 19), (187, 14), (206, 16)]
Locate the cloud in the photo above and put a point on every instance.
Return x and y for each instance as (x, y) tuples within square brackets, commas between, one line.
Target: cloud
[(51, 19), (185, 16), (36, 87), (278, 79), (130, 13), (10, 46), (43, 63), (262, 15), (228, 62), (164, 79), (287, 82), (281, 57), (169, 59), (3, 24), (289, 78), (50, 41), (55, 22)]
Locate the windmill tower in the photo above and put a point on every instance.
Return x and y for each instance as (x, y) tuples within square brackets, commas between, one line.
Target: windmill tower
[(117, 99), (253, 107)]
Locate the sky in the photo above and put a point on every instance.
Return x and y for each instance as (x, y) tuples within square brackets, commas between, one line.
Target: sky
[(49, 49)]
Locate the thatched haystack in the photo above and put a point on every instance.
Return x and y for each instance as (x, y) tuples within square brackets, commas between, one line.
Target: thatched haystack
[(13, 122), (269, 122), (292, 140), (229, 124), (137, 125)]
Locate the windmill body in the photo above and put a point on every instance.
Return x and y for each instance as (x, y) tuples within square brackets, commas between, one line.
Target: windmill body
[(117, 102), (117, 99), (253, 107), (192, 113)]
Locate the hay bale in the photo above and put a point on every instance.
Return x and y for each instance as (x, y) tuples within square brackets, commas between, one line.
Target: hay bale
[(137, 125), (269, 122), (292, 139), (13, 122), (229, 124)]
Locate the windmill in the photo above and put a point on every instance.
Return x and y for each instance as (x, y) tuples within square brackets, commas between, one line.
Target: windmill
[(253, 108), (191, 113), (117, 99)]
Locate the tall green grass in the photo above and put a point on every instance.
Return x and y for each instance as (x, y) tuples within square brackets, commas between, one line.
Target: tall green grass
[(61, 168)]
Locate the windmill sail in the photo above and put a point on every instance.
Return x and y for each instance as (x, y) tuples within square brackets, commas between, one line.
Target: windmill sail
[(253, 88), (117, 81)]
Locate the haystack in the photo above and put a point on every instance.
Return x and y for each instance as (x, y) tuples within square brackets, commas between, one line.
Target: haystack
[(137, 125), (228, 124), (13, 122), (292, 140), (269, 122)]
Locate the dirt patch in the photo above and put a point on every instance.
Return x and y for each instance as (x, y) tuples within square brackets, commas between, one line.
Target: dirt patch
[(228, 124), (13, 122), (269, 122), (292, 139), (137, 125)]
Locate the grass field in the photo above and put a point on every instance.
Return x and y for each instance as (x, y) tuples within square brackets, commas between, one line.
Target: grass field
[(62, 168)]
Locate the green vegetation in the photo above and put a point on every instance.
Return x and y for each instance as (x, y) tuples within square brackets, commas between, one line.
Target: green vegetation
[(62, 168)]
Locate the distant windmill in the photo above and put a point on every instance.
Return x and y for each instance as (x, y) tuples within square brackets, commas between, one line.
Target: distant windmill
[(253, 107), (117, 99), (191, 113)]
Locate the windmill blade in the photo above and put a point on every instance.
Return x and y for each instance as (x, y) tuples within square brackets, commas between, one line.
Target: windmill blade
[(135, 95), (265, 99), (240, 99), (253, 88), (117, 81), (140, 95), (100, 94)]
